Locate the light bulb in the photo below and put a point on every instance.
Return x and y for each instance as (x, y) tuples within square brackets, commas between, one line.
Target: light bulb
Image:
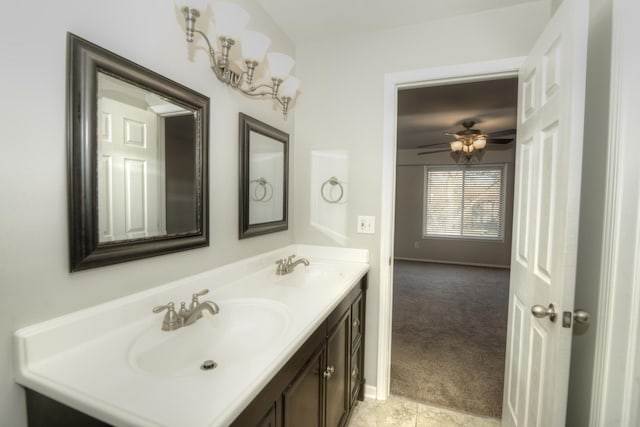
[(254, 46), (280, 65), (456, 145), (199, 5), (290, 87), (230, 20), (479, 143)]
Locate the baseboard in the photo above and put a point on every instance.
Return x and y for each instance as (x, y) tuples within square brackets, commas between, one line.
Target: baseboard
[(436, 261), (370, 392)]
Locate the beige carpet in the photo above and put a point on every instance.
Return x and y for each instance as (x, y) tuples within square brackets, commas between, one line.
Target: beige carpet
[(449, 335)]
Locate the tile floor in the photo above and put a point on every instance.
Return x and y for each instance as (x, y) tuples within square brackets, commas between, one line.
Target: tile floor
[(401, 412)]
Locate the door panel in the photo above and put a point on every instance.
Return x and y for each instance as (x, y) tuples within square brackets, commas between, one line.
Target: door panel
[(547, 190), (130, 169)]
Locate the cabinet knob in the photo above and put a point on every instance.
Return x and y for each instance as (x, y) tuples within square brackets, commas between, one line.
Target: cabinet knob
[(329, 372), (356, 322), (354, 372)]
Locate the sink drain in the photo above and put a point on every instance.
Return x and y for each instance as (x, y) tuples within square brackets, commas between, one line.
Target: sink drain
[(207, 365)]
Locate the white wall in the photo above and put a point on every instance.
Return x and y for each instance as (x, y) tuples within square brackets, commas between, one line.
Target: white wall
[(341, 108), (409, 214), (34, 267)]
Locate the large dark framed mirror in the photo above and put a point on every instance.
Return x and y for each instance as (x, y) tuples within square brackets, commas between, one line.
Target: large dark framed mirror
[(138, 160), (264, 178)]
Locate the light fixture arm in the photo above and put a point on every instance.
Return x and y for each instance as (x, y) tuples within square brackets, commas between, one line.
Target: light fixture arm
[(220, 65)]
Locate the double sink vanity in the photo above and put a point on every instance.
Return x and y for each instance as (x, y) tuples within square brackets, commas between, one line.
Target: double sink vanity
[(266, 341)]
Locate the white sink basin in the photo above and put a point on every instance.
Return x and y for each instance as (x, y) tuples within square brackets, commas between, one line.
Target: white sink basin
[(315, 274), (241, 330)]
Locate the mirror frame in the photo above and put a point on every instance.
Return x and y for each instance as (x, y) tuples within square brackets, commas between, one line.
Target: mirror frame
[(84, 61), (247, 125)]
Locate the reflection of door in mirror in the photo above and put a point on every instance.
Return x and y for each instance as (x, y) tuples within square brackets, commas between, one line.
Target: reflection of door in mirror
[(131, 190), (266, 166), (146, 149)]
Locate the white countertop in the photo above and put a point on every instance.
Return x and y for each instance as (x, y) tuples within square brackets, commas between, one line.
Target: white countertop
[(83, 359)]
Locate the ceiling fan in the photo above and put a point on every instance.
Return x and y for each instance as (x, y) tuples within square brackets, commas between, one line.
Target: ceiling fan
[(470, 140)]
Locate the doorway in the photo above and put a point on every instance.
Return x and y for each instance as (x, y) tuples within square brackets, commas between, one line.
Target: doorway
[(452, 243), (491, 70)]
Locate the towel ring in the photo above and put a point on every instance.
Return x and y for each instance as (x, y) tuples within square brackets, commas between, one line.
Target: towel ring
[(265, 186), (333, 181)]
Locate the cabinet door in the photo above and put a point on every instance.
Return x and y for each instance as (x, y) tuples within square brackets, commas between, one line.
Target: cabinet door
[(357, 324), (269, 420), (337, 373), (303, 397)]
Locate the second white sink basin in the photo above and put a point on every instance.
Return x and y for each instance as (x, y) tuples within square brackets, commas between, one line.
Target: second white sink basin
[(241, 330)]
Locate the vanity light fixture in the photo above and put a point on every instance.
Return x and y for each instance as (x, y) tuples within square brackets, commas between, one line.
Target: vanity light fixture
[(230, 22)]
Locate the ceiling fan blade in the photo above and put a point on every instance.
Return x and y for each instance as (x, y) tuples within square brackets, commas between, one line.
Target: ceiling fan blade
[(442, 150), (432, 145), (499, 133), (499, 140)]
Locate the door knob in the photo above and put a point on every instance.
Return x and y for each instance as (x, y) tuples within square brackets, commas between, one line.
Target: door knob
[(540, 311), (581, 316)]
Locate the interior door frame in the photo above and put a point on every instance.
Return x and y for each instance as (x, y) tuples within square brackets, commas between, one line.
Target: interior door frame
[(438, 76), (616, 377)]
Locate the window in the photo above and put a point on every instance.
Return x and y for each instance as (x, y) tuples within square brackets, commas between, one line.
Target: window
[(465, 203)]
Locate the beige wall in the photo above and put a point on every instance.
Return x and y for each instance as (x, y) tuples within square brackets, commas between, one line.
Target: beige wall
[(409, 215), (341, 108), (34, 268)]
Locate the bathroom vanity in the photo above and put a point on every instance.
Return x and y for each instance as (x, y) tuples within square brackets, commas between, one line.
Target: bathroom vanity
[(284, 350)]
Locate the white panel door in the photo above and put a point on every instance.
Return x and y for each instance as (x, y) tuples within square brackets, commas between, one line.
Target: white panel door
[(130, 171), (547, 196)]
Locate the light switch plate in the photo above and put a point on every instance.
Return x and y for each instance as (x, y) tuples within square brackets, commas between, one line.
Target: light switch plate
[(366, 224)]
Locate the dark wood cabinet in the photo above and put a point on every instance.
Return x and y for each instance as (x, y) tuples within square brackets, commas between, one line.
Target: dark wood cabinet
[(322, 382), (337, 373), (270, 419), (302, 399)]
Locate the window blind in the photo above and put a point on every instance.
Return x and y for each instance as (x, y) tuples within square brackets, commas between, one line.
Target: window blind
[(464, 203)]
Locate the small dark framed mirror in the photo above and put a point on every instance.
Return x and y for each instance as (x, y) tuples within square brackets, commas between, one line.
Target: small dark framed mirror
[(138, 160), (264, 178)]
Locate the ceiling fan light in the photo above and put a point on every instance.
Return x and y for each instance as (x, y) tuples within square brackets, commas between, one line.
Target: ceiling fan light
[(456, 145), (467, 148), (479, 143)]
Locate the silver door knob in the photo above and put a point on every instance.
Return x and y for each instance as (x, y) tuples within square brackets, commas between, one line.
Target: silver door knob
[(581, 316), (541, 311)]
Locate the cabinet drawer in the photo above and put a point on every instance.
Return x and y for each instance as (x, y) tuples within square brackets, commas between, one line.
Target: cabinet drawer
[(356, 321), (355, 376)]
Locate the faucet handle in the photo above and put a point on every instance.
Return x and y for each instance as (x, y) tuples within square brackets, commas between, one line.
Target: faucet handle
[(194, 297), (171, 320), (282, 267), (290, 258), (169, 307)]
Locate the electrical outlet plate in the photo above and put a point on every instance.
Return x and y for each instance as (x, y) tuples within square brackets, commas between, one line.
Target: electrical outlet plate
[(366, 224)]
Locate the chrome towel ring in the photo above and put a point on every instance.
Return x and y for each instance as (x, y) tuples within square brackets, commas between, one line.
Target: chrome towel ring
[(334, 182), (261, 190)]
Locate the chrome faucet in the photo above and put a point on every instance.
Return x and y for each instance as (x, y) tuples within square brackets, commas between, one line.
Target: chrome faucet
[(186, 316), (286, 265)]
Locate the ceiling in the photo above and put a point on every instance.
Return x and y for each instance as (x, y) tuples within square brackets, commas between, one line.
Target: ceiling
[(305, 20), (424, 114)]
